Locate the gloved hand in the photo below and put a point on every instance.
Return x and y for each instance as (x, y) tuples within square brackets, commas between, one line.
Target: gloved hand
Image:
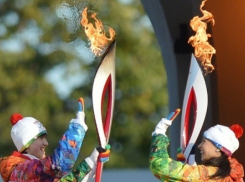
[(92, 159), (80, 115), (162, 126)]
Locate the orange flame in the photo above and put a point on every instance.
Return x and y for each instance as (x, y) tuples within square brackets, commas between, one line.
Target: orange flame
[(203, 50), (97, 34)]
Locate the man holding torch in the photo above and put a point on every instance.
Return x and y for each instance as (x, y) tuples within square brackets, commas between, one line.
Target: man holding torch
[(30, 163)]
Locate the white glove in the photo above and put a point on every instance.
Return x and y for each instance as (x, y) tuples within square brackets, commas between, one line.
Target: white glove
[(80, 120), (92, 159), (162, 126)]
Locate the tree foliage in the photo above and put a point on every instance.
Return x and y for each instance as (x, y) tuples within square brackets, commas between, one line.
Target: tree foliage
[(43, 50)]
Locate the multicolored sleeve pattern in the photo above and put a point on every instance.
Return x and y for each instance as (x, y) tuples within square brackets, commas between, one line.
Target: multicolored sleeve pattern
[(65, 155), (167, 169), (35, 170), (78, 174)]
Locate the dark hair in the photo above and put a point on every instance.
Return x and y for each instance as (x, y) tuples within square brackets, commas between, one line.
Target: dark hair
[(223, 165), (24, 152)]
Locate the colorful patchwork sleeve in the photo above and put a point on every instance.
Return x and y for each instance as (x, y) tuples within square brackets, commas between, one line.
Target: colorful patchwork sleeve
[(56, 165), (78, 174), (166, 169), (65, 155)]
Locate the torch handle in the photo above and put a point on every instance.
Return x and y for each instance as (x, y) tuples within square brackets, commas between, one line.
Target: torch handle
[(98, 170)]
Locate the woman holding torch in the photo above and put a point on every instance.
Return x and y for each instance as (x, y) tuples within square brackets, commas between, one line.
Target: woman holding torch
[(218, 145)]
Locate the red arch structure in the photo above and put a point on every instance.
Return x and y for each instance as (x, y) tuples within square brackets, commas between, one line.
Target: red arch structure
[(226, 84)]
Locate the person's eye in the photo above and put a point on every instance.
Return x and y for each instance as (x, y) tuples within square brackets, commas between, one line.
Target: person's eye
[(42, 137)]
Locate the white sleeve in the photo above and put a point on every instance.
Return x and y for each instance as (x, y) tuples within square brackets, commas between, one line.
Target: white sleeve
[(91, 161)]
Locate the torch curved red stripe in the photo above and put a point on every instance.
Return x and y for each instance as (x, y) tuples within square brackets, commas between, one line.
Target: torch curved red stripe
[(192, 103), (107, 120)]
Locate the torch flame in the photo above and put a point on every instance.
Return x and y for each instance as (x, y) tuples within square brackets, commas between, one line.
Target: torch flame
[(97, 34), (203, 50)]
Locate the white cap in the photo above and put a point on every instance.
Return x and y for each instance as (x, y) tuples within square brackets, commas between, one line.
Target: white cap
[(223, 137), (25, 131)]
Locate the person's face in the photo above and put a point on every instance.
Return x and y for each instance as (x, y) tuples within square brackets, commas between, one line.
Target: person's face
[(37, 148), (208, 150)]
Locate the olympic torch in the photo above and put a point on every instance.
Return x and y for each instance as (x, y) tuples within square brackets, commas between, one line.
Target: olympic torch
[(104, 84)]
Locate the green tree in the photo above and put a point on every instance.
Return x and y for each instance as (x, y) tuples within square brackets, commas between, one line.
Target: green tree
[(41, 40)]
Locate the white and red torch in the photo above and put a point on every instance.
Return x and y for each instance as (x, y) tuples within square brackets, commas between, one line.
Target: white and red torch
[(196, 98), (193, 110), (104, 84), (103, 91)]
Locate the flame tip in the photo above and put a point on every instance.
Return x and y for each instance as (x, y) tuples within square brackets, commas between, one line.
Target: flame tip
[(203, 50), (96, 33)]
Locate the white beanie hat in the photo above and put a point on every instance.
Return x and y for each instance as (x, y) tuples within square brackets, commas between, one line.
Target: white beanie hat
[(225, 138), (25, 130)]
